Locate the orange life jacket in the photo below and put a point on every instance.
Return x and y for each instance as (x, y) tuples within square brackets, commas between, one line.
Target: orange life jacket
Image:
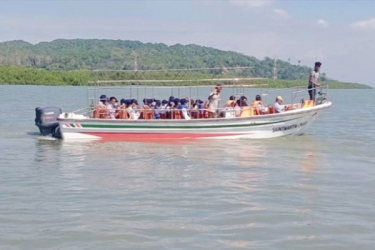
[(256, 103), (308, 103)]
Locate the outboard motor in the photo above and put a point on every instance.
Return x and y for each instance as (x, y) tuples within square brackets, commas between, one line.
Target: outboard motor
[(46, 121)]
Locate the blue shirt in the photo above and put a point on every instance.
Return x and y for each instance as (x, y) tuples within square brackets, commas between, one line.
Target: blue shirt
[(181, 106)]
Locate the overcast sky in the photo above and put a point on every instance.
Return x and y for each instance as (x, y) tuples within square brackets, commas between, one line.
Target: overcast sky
[(340, 34)]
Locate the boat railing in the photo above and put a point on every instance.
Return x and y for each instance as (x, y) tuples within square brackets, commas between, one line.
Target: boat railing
[(301, 94), (87, 111), (298, 94)]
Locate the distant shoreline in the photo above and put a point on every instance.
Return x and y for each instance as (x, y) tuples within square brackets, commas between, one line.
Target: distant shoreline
[(332, 85), (13, 75)]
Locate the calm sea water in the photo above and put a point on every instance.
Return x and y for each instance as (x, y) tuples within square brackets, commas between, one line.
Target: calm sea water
[(315, 191)]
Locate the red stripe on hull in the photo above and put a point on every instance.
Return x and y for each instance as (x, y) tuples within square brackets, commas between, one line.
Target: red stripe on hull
[(151, 137)]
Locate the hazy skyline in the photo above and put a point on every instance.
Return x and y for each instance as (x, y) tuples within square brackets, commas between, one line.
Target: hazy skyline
[(340, 34)]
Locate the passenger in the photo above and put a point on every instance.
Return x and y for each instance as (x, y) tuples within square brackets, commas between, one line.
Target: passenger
[(192, 103), (122, 104), (102, 102), (171, 105), (184, 108), (230, 102), (243, 101), (277, 106), (156, 109), (112, 108), (213, 101), (258, 105), (184, 103), (177, 102), (170, 108), (228, 112), (131, 109), (164, 106), (163, 109), (237, 108)]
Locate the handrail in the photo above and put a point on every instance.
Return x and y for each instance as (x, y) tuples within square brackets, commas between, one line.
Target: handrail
[(164, 70), (236, 79)]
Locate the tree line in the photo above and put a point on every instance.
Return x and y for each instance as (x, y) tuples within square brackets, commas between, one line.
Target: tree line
[(30, 76), (91, 54)]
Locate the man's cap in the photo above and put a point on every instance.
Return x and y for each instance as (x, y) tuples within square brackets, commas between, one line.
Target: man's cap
[(318, 64), (279, 98), (103, 98), (258, 97)]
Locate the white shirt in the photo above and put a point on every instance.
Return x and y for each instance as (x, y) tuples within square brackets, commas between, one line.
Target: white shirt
[(213, 103), (133, 115), (111, 111), (314, 75)]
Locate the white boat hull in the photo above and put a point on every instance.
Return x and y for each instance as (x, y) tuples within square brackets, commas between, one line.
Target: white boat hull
[(254, 127)]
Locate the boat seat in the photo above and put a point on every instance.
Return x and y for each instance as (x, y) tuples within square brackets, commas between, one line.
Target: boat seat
[(163, 116), (247, 111)]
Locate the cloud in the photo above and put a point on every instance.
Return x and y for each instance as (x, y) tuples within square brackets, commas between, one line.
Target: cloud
[(251, 3), (322, 23), (364, 25), (281, 13)]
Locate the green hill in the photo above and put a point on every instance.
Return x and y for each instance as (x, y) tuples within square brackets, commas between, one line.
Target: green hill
[(68, 61), (116, 54)]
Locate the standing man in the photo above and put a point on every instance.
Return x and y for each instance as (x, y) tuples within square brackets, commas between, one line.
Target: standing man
[(313, 81), (213, 101)]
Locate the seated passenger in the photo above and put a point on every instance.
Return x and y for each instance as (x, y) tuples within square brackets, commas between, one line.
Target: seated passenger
[(177, 102), (277, 106), (156, 109), (184, 109), (112, 108), (258, 105), (102, 102), (243, 100), (199, 105), (122, 104), (237, 108), (164, 106), (133, 114), (230, 102)]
